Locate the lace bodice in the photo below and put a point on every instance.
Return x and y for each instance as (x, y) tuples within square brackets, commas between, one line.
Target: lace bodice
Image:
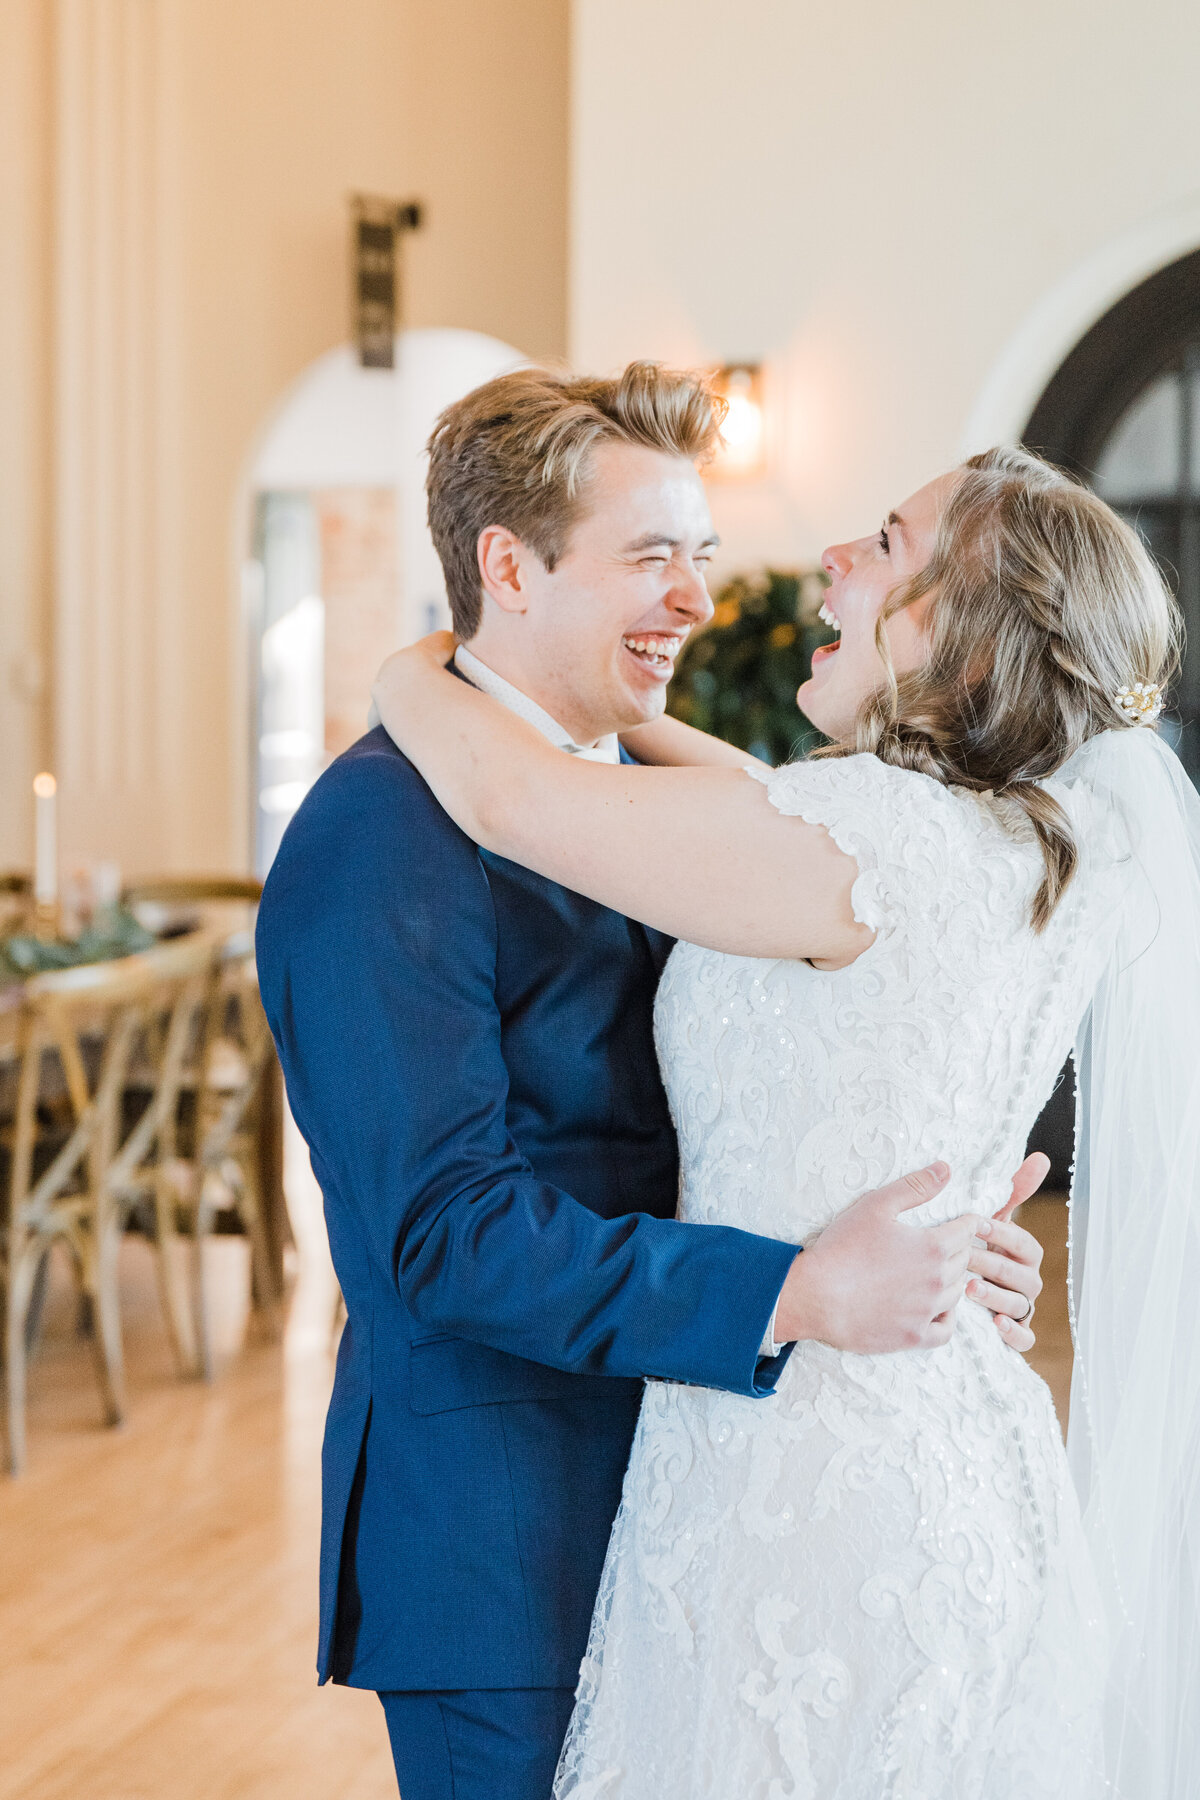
[(871, 1586), (794, 1090)]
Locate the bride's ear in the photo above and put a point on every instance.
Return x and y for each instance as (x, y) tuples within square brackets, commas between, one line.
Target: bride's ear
[(501, 554)]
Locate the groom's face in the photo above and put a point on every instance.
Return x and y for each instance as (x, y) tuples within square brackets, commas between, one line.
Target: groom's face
[(602, 630)]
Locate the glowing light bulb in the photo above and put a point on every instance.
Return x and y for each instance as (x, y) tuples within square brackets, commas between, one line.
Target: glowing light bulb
[(743, 434)]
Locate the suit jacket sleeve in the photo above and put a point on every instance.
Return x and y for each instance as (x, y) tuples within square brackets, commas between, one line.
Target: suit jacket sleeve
[(377, 948)]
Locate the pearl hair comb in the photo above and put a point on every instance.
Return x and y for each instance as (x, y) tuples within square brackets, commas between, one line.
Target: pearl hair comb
[(1140, 703)]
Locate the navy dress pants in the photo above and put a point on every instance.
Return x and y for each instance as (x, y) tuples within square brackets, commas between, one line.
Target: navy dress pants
[(477, 1743)]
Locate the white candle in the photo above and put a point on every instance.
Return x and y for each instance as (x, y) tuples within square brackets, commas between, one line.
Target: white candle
[(45, 880)]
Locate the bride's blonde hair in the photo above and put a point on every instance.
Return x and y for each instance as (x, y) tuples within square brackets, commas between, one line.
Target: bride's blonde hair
[(1043, 604)]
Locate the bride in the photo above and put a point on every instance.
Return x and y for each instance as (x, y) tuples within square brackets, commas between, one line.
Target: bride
[(879, 1583)]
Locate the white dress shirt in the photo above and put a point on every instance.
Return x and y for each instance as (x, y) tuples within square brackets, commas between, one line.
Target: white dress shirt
[(605, 750)]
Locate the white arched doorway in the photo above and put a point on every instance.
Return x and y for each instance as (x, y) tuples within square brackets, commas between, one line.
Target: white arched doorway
[(340, 566)]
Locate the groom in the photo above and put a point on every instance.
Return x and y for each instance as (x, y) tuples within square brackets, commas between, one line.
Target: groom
[(469, 1054)]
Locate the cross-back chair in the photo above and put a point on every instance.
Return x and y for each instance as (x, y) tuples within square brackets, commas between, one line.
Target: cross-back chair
[(226, 1162), (186, 890), (144, 1172), (77, 1034)]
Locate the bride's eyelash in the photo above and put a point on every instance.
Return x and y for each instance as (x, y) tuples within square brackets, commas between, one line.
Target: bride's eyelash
[(884, 545)]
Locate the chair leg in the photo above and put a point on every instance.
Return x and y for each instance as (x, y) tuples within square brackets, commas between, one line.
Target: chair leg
[(264, 1287), (37, 1301), (201, 1312), (100, 1279), (173, 1281), (21, 1276)]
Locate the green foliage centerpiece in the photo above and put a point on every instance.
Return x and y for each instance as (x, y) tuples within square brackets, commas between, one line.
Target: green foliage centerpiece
[(737, 679)]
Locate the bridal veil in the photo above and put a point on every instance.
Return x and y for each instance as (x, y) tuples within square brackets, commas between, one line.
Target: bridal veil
[(1134, 1438)]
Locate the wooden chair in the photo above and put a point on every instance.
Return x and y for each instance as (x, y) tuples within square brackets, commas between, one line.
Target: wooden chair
[(226, 1159), (187, 890), (62, 1150), (219, 1172), (144, 1174)]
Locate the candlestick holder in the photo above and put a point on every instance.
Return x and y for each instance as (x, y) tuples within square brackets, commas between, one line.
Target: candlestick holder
[(46, 921)]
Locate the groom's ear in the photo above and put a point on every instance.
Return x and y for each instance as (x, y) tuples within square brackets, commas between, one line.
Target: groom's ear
[(501, 555)]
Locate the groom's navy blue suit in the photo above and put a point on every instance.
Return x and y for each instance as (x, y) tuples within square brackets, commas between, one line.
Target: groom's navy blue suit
[(469, 1055)]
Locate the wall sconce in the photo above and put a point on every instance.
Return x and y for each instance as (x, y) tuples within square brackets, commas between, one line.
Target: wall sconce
[(378, 228), (742, 451)]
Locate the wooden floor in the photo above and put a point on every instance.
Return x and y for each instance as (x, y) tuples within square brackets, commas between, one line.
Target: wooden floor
[(1053, 1357), (157, 1584)]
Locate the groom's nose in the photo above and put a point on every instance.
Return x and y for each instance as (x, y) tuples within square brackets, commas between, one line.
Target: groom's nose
[(689, 596)]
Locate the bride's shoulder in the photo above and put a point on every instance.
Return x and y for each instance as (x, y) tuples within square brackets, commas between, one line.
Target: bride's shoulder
[(862, 790), (916, 841)]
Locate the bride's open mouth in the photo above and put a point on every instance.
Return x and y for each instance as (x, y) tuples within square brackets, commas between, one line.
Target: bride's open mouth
[(654, 651), (824, 651)]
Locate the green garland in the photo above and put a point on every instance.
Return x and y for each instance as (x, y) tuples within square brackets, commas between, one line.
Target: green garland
[(737, 679), (113, 933)]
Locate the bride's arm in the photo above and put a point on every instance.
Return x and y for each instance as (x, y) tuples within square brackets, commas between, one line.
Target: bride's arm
[(672, 744), (699, 853)]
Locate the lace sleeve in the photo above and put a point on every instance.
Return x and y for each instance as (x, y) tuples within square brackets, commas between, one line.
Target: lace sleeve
[(905, 831)]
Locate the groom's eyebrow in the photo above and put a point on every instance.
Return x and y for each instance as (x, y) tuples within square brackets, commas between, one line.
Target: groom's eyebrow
[(650, 540)]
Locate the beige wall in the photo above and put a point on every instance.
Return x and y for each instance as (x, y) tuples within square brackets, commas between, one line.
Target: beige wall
[(487, 103), (173, 178), (874, 199)]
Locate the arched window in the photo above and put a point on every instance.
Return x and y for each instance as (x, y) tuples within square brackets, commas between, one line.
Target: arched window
[(1123, 412)]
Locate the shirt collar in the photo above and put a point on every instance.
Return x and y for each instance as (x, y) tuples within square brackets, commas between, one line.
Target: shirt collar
[(607, 750)]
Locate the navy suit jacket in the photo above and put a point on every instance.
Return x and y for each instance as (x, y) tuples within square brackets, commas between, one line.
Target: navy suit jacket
[(468, 1053)]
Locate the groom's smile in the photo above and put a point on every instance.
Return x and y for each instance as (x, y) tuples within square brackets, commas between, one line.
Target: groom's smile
[(656, 651)]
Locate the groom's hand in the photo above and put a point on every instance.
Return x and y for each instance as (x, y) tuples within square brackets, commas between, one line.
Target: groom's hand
[(872, 1282)]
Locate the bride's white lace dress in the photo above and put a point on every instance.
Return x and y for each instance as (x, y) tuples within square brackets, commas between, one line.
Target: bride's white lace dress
[(871, 1585)]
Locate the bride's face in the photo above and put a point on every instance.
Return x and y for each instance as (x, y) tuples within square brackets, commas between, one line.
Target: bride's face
[(862, 575)]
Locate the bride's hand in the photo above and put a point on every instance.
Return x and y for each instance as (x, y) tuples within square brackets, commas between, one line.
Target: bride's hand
[(429, 655), (432, 652), (1006, 1269)]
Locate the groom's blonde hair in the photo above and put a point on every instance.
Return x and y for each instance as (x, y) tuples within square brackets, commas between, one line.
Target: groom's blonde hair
[(516, 451)]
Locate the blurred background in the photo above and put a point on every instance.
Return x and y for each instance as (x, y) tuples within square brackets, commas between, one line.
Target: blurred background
[(251, 247)]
